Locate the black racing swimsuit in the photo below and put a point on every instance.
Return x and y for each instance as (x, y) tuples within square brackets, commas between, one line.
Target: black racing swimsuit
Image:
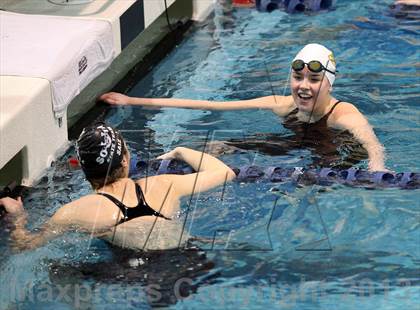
[(330, 147), (142, 208)]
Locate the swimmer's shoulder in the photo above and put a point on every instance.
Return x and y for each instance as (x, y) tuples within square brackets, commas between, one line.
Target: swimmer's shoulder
[(159, 187), (155, 183), (283, 105), (86, 211), (346, 115)]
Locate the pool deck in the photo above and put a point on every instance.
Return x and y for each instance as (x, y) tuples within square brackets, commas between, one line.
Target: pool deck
[(29, 128)]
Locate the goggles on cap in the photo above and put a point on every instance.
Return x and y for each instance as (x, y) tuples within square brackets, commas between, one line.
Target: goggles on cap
[(313, 66)]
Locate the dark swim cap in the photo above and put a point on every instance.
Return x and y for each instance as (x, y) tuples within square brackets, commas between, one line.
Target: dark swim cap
[(100, 150)]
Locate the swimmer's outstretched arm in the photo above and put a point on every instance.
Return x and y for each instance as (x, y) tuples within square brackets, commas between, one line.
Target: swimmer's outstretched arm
[(62, 221), (408, 2), (23, 239), (211, 172), (268, 102), (363, 132)]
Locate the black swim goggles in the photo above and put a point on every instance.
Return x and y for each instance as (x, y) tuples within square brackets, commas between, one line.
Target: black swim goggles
[(313, 66)]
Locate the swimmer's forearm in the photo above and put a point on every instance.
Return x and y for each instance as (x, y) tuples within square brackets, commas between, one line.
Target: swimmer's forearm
[(376, 155), (258, 103), (175, 103), (211, 172), (374, 148), (376, 151), (23, 239), (200, 161), (275, 103), (17, 217)]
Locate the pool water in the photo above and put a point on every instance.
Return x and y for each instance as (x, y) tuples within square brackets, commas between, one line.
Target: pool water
[(263, 246)]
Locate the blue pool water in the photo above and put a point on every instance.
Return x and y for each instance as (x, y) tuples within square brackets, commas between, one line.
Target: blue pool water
[(276, 246)]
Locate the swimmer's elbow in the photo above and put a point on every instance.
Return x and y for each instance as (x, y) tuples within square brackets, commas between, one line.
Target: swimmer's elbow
[(230, 175), (221, 176)]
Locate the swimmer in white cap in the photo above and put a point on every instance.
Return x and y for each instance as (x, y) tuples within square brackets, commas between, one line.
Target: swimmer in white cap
[(310, 110), (139, 214)]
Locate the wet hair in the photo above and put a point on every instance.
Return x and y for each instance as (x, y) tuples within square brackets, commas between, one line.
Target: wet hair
[(100, 150), (113, 176)]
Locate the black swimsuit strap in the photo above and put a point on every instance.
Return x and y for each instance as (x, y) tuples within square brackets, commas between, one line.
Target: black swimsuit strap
[(333, 107), (139, 193), (119, 204), (296, 110), (140, 197), (142, 208), (323, 120)]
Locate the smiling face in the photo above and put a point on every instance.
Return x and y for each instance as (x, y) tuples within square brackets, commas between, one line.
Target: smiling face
[(309, 89)]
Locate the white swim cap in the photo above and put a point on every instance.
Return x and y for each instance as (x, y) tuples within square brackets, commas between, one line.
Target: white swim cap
[(320, 53)]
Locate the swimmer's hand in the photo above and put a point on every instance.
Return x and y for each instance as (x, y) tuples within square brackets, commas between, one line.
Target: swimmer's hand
[(115, 98), (174, 154), (12, 206)]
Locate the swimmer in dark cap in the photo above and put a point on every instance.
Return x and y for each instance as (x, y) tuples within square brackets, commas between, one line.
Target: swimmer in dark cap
[(138, 214)]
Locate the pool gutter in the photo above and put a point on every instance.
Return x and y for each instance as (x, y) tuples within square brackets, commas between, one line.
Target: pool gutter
[(31, 136)]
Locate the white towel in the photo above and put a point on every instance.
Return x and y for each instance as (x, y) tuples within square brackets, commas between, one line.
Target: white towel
[(68, 52)]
